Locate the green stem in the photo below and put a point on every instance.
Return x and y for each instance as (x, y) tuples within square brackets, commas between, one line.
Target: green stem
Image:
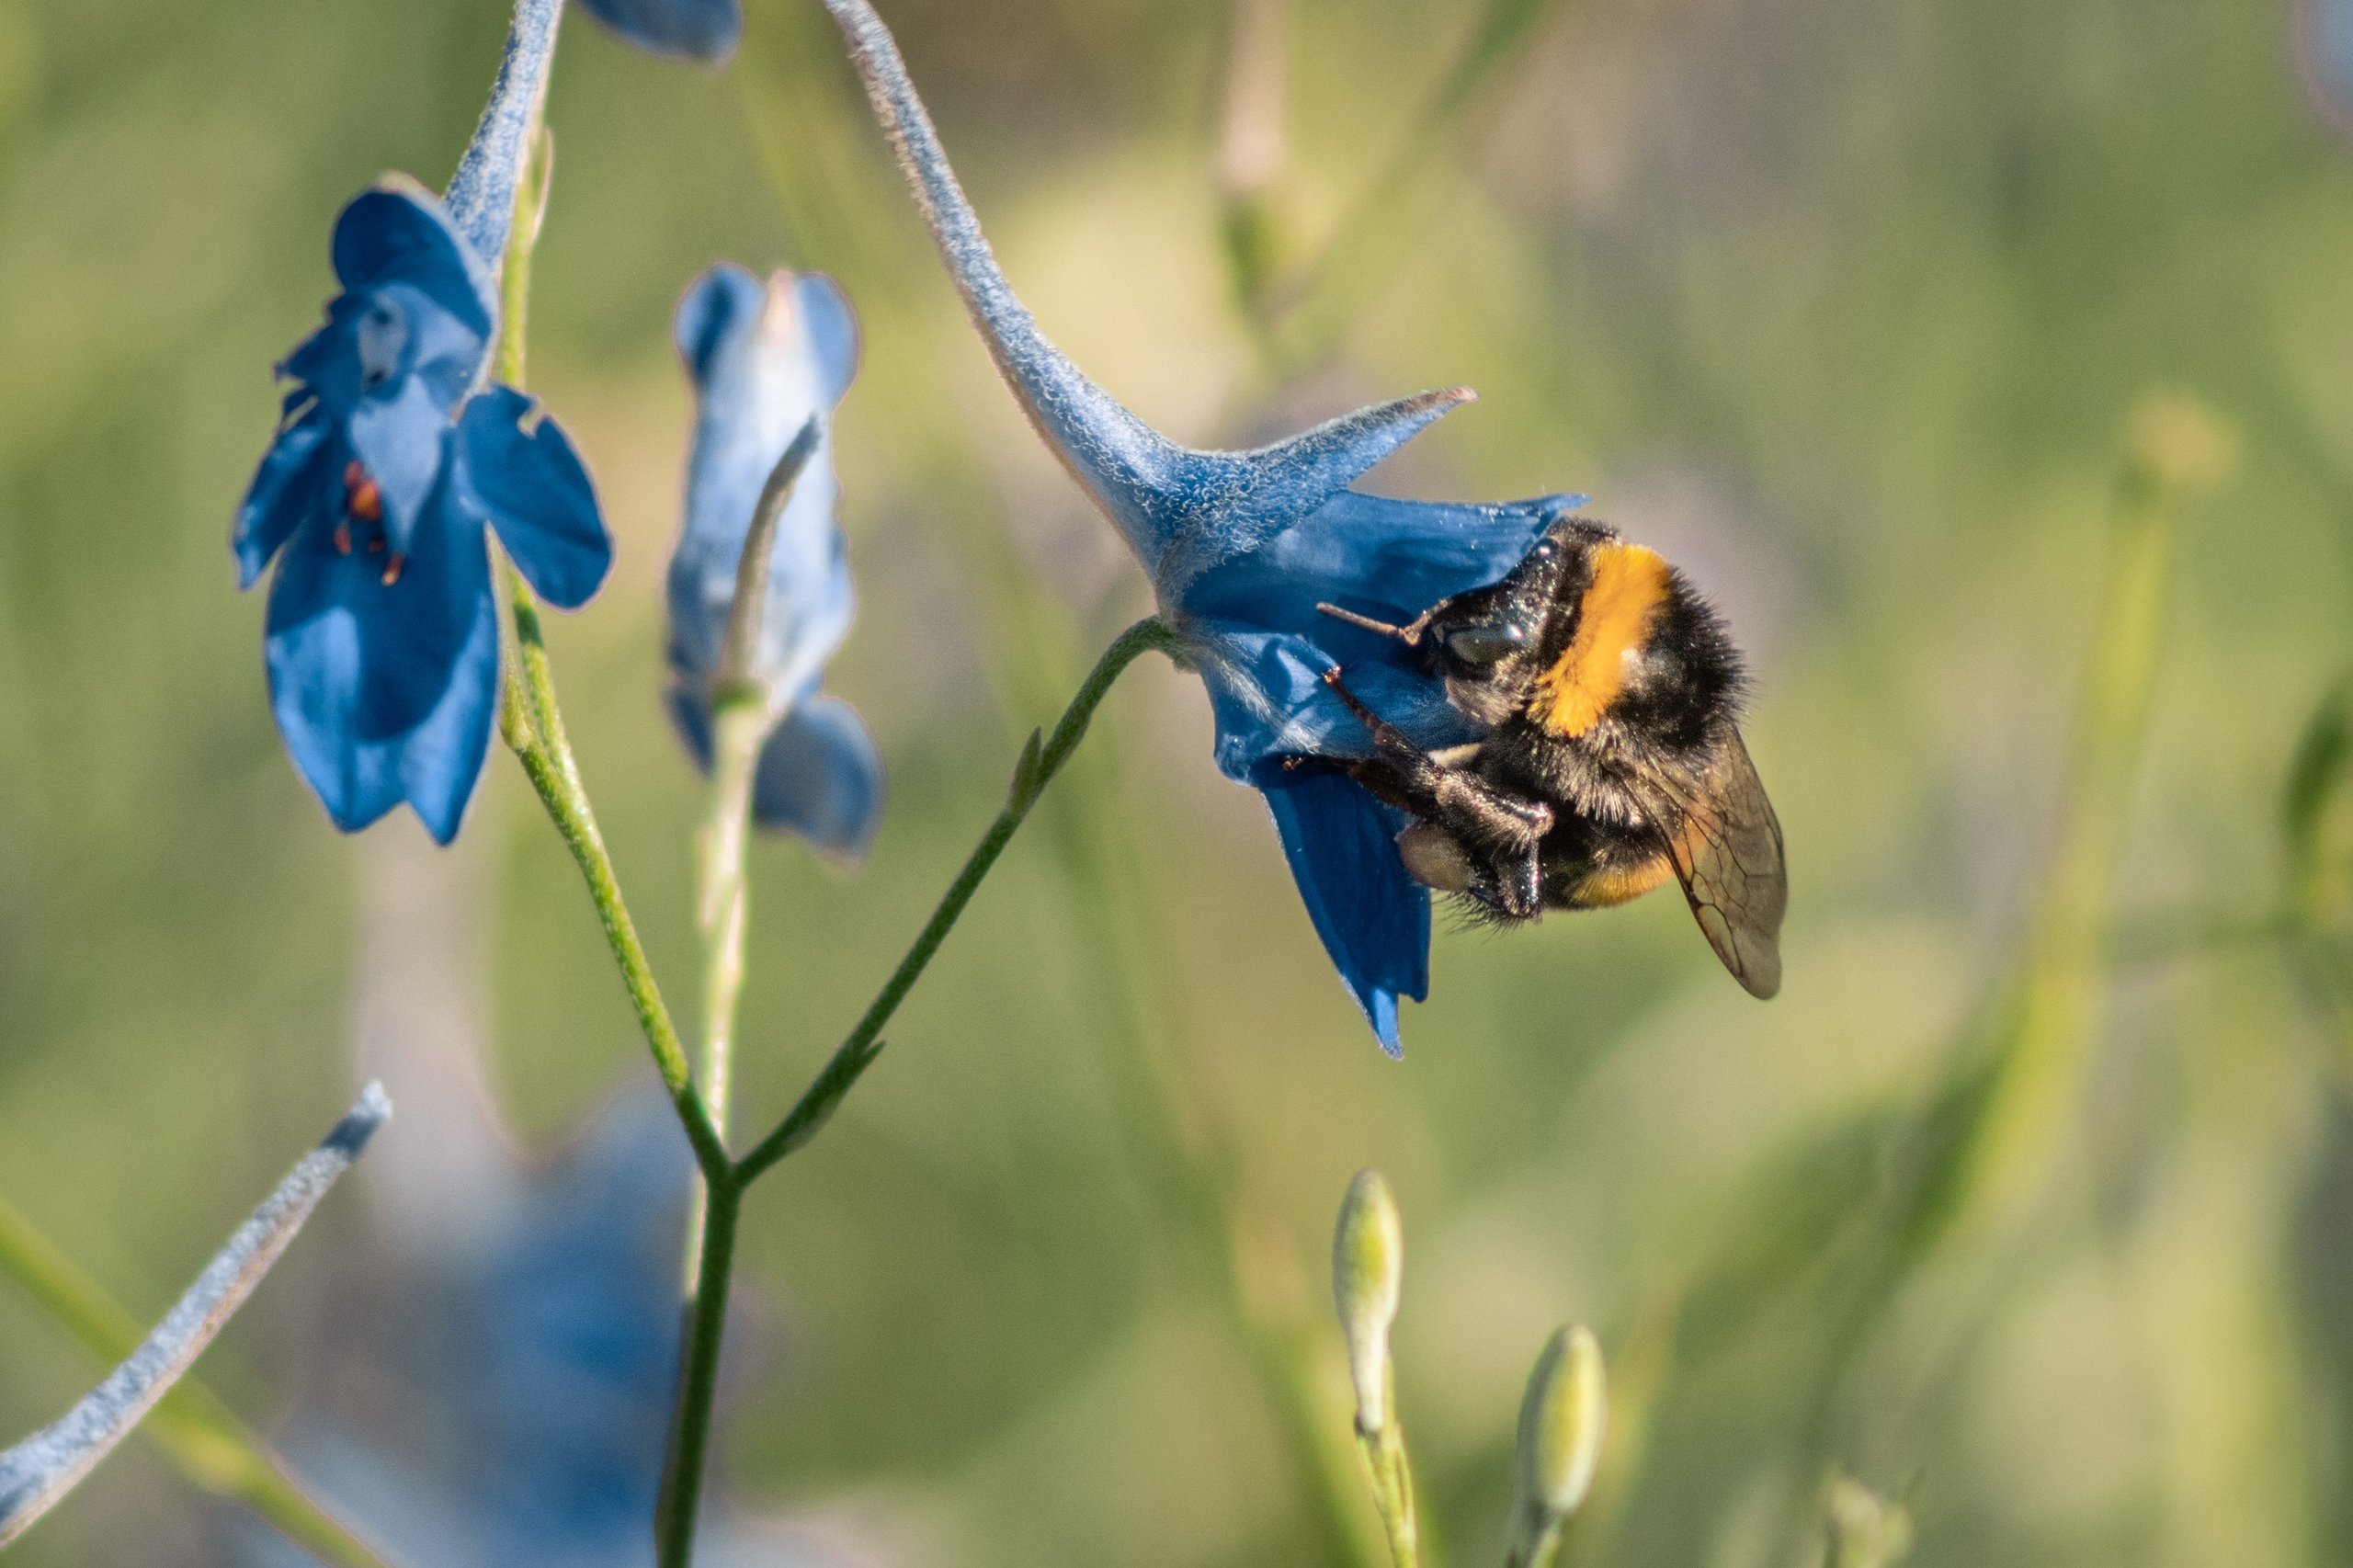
[(738, 729), (682, 1471), (743, 715), (203, 1440), (552, 774), (532, 725), (724, 1187), (1545, 1548), (1038, 766), (1392, 1491)]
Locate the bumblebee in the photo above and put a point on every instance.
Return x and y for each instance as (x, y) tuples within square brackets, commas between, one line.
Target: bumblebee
[(1609, 691)]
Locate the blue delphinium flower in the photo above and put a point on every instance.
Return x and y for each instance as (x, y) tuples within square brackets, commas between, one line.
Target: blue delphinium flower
[(392, 456), (707, 30), (528, 1344), (765, 359), (1241, 547)]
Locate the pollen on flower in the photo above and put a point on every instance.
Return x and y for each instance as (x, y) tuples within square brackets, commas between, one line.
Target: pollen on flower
[(393, 568), (361, 496)]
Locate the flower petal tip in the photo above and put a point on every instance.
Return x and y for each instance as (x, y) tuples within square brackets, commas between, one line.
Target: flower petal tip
[(701, 32)]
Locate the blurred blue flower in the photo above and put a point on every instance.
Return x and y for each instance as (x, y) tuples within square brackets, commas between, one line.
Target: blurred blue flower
[(765, 359), (391, 457), (1240, 547), (530, 1365), (2324, 56), (707, 30)]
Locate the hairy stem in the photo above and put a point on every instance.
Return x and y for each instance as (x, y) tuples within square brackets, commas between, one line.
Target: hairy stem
[(706, 1312), (532, 725), (554, 776), (204, 1440)]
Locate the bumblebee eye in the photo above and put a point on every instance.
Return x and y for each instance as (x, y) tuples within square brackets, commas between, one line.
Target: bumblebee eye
[(1484, 642)]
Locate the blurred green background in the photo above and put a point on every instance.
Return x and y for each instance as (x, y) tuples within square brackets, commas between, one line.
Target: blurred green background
[(2029, 1198)]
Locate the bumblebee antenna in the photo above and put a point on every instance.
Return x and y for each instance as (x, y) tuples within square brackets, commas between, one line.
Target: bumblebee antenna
[(1409, 634)]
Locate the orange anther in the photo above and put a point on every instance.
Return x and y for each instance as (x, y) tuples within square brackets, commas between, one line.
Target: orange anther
[(362, 496), (393, 568), (343, 538)]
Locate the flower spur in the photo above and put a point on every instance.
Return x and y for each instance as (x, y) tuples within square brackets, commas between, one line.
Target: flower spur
[(392, 457), (1241, 549)]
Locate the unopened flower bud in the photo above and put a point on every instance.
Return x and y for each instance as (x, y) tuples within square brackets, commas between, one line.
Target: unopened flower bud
[(2180, 444), (1561, 1422), (1368, 1265), (1866, 1529)]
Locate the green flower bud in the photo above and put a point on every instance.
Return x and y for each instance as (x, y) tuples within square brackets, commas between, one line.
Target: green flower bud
[(1561, 1422), (1866, 1529), (1368, 1266)]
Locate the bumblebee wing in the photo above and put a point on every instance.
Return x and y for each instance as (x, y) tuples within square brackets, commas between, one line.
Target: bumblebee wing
[(1728, 857)]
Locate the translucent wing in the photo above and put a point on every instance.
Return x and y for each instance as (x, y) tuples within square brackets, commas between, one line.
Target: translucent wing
[(1728, 855)]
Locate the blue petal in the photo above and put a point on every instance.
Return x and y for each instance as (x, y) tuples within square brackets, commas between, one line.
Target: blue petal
[(1381, 557), (707, 30), (401, 437), (397, 233), (693, 720), (1267, 697), (712, 313), (2324, 47), (763, 365), (293, 480), (831, 327), (1374, 919), (1263, 646), (531, 485), (386, 693), (821, 777)]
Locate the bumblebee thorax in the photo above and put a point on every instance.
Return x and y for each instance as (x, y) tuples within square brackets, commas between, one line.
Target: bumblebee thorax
[(1626, 586)]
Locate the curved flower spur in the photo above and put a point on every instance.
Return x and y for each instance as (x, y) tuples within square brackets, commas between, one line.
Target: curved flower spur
[(394, 454), (1241, 549), (769, 363)]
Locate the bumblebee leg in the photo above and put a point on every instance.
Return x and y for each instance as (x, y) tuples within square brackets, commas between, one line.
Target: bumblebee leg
[(1455, 797), (1521, 891)]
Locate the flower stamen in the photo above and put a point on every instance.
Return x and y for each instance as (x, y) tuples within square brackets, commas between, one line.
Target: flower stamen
[(343, 538), (393, 568), (362, 498)]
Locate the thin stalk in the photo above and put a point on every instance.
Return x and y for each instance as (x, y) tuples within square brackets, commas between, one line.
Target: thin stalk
[(707, 1316), (1544, 1548), (203, 1440), (1392, 1491), (531, 723), (823, 174), (1041, 760), (553, 776), (682, 1470), (737, 730), (1986, 1140), (743, 714)]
